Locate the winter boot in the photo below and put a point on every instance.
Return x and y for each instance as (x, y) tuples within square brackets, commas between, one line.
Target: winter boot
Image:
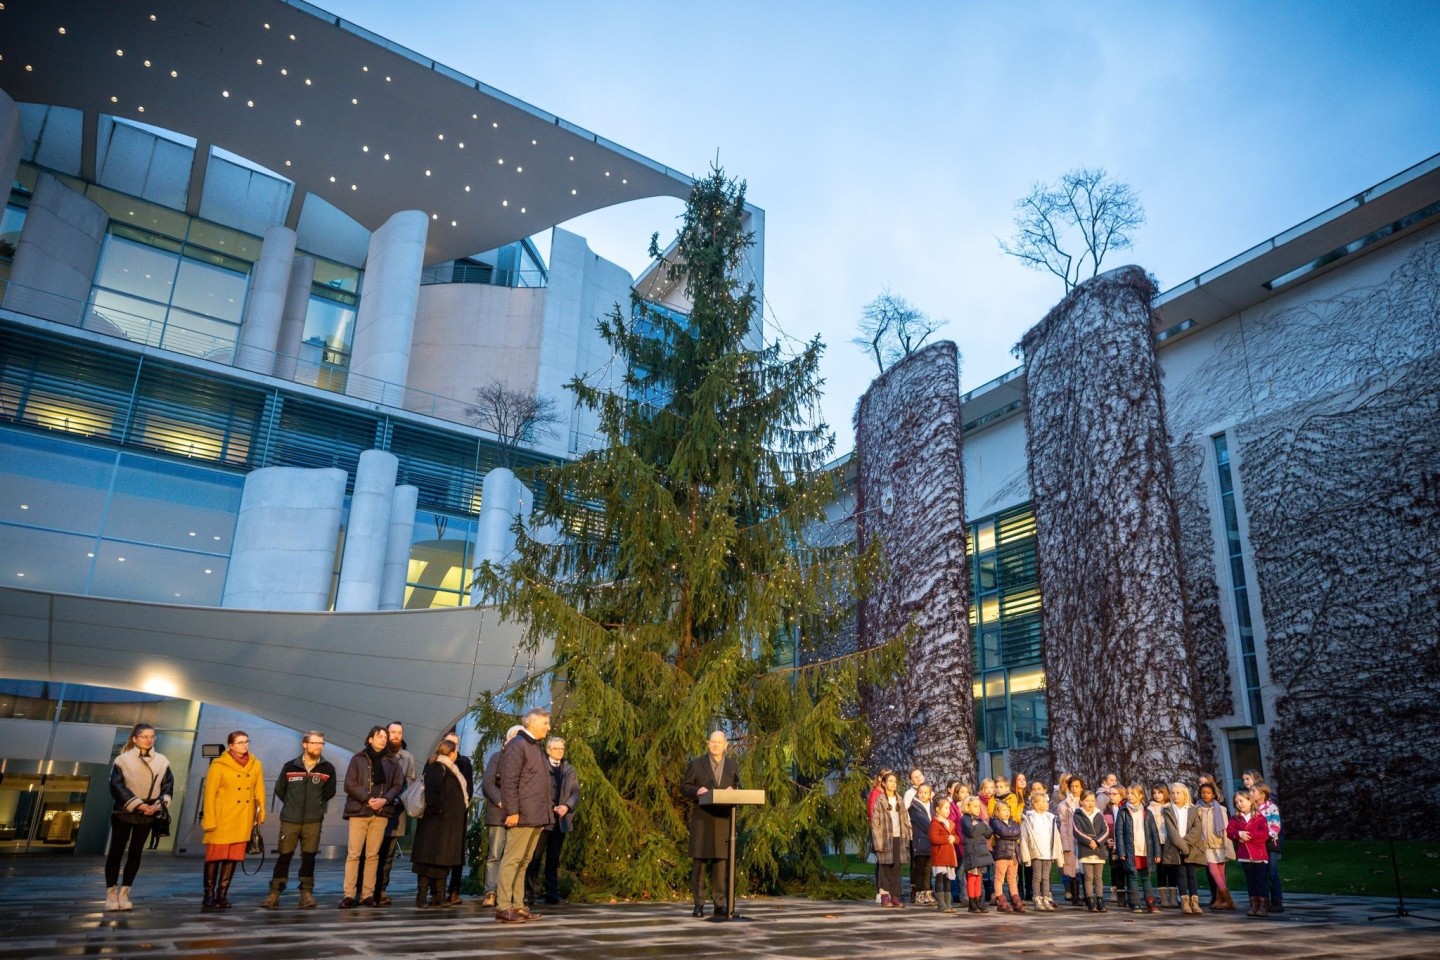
[(1089, 905), (1016, 903), (1100, 905), (212, 871), (1151, 906), (123, 898), (422, 893), (277, 887), (885, 900), (1001, 904), (222, 889), (1167, 897), (1263, 910), (307, 897), (1254, 905), (112, 898), (981, 905), (437, 893)]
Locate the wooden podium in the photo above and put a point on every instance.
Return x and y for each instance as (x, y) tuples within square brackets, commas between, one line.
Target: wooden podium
[(729, 800)]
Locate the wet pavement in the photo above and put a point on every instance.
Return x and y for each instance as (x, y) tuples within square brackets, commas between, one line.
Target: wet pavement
[(54, 908)]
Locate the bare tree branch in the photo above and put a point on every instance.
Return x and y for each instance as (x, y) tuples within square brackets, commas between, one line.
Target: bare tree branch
[(891, 328), (514, 416), (1084, 216)]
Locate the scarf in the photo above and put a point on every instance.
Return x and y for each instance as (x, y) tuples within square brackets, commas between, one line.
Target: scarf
[(377, 767), (464, 790), (243, 760)]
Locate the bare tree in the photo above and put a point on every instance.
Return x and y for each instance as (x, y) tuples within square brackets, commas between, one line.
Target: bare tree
[(514, 416), (891, 328), (1069, 226)]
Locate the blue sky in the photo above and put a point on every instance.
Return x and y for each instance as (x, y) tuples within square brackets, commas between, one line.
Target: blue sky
[(888, 143)]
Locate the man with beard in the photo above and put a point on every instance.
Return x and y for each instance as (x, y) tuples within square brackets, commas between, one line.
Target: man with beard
[(396, 752)]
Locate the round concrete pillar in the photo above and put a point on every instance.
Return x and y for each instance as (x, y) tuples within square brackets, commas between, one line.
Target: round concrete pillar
[(292, 317), (363, 565), (385, 322), (285, 534), (265, 301), (503, 498), (397, 547)]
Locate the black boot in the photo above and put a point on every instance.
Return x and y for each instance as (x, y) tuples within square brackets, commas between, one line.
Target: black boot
[(422, 893), (227, 872), (212, 871)]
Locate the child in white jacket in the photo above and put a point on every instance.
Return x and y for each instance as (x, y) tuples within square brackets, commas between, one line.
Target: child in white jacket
[(1040, 848)]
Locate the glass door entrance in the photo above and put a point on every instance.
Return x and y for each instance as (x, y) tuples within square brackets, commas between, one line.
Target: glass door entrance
[(41, 814)]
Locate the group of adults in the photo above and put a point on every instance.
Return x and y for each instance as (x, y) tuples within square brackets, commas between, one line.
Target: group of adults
[(1156, 842), (530, 794)]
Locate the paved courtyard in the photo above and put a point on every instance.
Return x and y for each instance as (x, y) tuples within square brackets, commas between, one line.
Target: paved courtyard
[(53, 908)]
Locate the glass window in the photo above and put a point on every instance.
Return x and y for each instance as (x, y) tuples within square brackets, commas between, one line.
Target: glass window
[(212, 290), (44, 560), (51, 483), (440, 550), (52, 136), (1028, 717), (139, 269), (174, 504), (131, 571), (329, 323), (140, 321)]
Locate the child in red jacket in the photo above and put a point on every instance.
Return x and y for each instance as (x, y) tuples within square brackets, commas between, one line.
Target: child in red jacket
[(943, 860), (1249, 831)]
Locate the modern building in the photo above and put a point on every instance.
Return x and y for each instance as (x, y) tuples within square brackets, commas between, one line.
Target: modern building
[(1301, 389), (254, 263)]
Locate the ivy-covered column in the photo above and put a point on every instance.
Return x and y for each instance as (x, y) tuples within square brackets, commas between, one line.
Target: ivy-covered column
[(1117, 661), (910, 497)]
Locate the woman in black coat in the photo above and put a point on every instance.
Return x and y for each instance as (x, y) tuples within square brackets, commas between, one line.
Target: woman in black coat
[(439, 837), (975, 829)]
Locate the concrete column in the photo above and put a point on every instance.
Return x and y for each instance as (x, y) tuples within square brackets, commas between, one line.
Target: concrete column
[(503, 498), (397, 547), (285, 537), (380, 355), (264, 304), (363, 565), (57, 254), (12, 141), (292, 317)]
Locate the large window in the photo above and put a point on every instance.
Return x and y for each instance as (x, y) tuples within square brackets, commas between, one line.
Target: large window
[(1005, 628), (1239, 590)]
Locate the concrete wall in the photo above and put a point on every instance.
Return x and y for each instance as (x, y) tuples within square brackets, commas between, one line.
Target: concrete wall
[(583, 288), (265, 302), (468, 334), (363, 568), (12, 141), (57, 254), (285, 537)]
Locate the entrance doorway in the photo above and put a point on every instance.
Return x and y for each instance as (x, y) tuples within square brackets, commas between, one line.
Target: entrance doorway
[(41, 814)]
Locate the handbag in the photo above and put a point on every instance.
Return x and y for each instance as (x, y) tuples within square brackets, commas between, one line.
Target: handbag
[(257, 842), (160, 823), (413, 799)]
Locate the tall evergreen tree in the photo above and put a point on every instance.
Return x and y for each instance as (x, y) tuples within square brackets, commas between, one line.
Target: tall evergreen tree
[(687, 574)]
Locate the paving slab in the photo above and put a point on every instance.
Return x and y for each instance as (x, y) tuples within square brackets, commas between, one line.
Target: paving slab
[(53, 907)]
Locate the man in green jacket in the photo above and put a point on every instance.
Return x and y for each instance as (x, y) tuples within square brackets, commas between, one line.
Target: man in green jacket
[(304, 787)]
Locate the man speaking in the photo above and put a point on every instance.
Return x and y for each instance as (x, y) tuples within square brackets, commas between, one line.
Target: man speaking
[(710, 827)]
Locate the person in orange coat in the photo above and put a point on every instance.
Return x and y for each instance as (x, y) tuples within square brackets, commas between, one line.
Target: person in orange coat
[(943, 859), (234, 805)]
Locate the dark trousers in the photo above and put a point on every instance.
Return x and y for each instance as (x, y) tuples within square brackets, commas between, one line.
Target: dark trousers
[(547, 855), (919, 873), (1027, 884), (1186, 881), (122, 835), (1257, 878), (718, 880), (1273, 887), (307, 837)]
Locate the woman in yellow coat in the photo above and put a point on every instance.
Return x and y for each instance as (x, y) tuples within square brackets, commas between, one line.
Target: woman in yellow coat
[(234, 804)]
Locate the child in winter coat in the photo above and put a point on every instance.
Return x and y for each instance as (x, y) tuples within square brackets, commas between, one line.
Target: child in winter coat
[(975, 829), (1040, 847), (943, 857), (920, 817), (1005, 848), (1137, 843), (1091, 850), (1248, 830)]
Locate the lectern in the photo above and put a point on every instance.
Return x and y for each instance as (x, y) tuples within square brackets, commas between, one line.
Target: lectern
[(729, 800)]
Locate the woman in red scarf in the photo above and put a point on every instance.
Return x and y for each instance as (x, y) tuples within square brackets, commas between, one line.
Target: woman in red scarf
[(234, 804)]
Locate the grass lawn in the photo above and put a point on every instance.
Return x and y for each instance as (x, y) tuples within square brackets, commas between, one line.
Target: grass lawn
[(1356, 867)]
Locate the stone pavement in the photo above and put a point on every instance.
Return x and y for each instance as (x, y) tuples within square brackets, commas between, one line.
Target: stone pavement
[(53, 908)]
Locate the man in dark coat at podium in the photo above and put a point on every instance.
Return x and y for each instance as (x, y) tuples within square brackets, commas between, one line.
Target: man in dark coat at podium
[(710, 827)]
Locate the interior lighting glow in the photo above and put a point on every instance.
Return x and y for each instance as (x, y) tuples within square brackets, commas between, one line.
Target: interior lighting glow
[(501, 161), (208, 570), (533, 142), (152, 16), (19, 574), (267, 26), (192, 533), (365, 69), (462, 146), (607, 173), (160, 686), (121, 559), (387, 79), (287, 163)]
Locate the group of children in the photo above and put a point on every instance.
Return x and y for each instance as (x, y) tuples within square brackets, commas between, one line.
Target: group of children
[(1004, 844)]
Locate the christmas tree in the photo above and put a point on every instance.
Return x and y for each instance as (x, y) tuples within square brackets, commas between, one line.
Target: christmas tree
[(693, 583)]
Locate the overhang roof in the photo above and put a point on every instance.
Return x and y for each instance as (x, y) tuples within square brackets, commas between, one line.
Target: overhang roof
[(323, 90)]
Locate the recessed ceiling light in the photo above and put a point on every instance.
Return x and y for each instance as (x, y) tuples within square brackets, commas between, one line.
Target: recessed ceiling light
[(504, 203), (500, 160), (284, 72), (365, 69), (607, 173), (624, 180), (522, 209), (572, 159), (532, 143), (462, 146), (90, 554), (121, 559), (474, 116), (572, 193), (249, 103), (519, 169), (332, 179), (141, 109), (19, 574), (297, 121), (208, 570), (174, 73), (152, 16), (364, 149), (292, 36), (307, 82), (224, 93), (434, 216), (62, 31), (427, 173), (353, 187), (354, 101), (147, 63), (387, 156), (114, 99), (267, 26), (387, 79), (119, 53), (287, 163), (453, 223), (24, 506), (467, 188), (259, 62), (192, 533), (215, 538), (29, 68), (496, 125), (441, 136)]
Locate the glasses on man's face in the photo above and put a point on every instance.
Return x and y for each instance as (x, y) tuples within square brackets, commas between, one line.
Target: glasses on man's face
[(320, 742)]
